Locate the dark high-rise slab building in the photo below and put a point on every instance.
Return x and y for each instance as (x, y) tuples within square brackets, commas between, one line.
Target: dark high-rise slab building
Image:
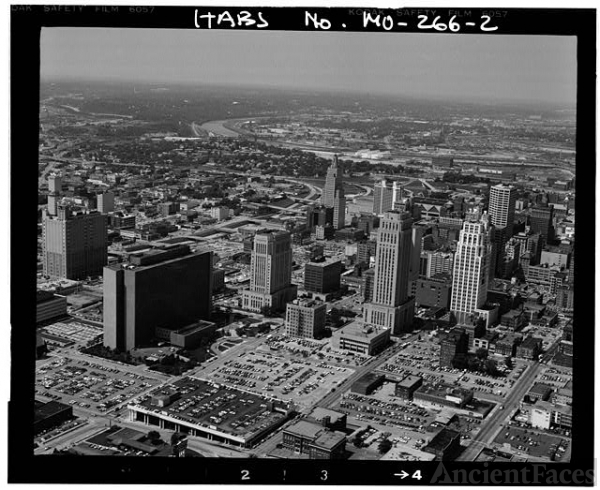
[(322, 277), (75, 243), (454, 348), (318, 216), (161, 289), (540, 221)]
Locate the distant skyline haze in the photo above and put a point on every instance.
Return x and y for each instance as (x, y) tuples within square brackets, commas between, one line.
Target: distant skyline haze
[(478, 67)]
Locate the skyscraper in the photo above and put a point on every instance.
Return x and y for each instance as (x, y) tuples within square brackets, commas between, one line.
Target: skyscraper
[(166, 289), (471, 269), (540, 221), (386, 196), (106, 202), (305, 318), (270, 272), (55, 189), (333, 194), (502, 207), (75, 243), (391, 306)]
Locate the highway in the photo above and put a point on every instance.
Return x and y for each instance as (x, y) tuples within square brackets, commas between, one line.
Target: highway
[(491, 425)]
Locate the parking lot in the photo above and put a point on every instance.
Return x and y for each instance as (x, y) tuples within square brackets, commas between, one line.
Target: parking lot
[(555, 377), (88, 385), (422, 359), (532, 443), (387, 413), (215, 406), (304, 382), (318, 350), (364, 444)]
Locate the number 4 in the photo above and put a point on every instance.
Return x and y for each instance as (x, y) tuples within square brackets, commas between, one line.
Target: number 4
[(417, 475)]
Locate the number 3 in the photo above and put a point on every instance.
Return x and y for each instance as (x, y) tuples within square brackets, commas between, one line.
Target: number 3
[(324, 475)]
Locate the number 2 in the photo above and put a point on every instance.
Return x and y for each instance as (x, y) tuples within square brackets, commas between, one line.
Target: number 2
[(245, 475)]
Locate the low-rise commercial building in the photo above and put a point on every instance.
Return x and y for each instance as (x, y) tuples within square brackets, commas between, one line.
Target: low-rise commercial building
[(406, 388), (50, 306), (361, 338), (314, 440), (442, 395)]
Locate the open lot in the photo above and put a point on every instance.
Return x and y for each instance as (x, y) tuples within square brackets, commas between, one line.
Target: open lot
[(88, 385), (531, 443), (302, 381)]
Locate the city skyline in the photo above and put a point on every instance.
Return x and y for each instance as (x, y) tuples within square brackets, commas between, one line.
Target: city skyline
[(480, 68)]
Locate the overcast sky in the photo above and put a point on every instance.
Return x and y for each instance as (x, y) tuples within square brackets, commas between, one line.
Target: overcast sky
[(540, 68)]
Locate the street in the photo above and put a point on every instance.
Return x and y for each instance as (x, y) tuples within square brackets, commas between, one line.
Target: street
[(491, 426)]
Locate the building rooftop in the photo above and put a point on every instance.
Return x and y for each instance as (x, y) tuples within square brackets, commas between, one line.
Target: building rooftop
[(49, 409), (540, 389), (318, 434), (443, 390), (196, 327), (320, 413), (409, 381), (361, 331), (442, 439), (531, 342)]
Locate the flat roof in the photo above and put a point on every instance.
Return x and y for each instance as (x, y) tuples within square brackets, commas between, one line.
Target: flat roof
[(442, 439), (409, 381), (49, 409), (215, 406), (443, 389), (361, 331), (320, 435), (319, 413)]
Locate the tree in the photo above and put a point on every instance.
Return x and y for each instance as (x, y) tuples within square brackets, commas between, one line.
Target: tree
[(266, 311), (154, 436), (508, 362), (491, 367), (481, 353), (384, 446)]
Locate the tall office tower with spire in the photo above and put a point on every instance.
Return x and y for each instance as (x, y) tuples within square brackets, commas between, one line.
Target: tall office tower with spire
[(471, 269), (270, 272), (55, 189), (333, 194), (75, 243), (392, 307)]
